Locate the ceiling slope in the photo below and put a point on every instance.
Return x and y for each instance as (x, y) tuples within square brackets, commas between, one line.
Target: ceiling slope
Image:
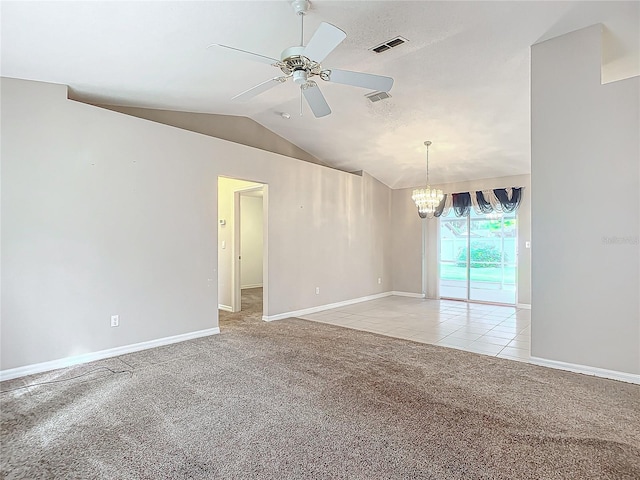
[(461, 79), (233, 128)]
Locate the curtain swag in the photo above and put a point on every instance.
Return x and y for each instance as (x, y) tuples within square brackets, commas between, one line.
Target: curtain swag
[(502, 200)]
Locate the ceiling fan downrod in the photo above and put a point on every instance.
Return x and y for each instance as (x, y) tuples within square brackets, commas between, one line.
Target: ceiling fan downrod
[(299, 74), (301, 7)]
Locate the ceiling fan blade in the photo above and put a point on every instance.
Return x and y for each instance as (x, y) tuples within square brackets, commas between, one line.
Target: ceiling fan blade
[(324, 40), (260, 88), (315, 99), (357, 79), (250, 55)]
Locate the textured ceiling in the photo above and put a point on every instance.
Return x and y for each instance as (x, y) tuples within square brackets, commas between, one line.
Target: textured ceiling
[(461, 81)]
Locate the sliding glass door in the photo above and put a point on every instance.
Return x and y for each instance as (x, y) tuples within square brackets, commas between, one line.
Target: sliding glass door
[(454, 274), (478, 257)]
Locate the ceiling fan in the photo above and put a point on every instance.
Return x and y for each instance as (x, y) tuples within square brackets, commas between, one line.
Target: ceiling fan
[(302, 63)]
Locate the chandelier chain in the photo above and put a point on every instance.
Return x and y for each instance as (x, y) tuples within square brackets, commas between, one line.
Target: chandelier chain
[(427, 143)]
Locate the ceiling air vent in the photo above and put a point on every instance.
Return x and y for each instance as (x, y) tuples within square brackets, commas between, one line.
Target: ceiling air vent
[(394, 42), (377, 96)]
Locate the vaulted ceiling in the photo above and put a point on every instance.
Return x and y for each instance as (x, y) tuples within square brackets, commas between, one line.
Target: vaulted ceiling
[(461, 80)]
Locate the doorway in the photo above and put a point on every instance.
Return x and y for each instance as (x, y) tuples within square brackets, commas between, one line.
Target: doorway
[(248, 244), (479, 257), (242, 240)]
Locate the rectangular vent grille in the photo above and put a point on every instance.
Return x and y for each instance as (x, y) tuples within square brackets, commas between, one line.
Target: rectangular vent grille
[(388, 45), (377, 96)]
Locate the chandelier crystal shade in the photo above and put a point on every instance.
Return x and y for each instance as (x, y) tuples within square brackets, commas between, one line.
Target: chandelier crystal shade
[(427, 199)]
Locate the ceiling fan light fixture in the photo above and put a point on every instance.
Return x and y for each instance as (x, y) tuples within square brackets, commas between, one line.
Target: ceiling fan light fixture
[(300, 77)]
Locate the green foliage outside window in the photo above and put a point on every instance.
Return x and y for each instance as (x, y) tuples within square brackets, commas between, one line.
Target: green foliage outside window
[(480, 254)]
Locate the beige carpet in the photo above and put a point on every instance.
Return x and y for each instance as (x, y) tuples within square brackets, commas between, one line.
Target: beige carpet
[(300, 400)]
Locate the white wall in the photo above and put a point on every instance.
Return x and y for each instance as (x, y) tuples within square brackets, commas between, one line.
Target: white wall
[(406, 243), (585, 170), (226, 189), (407, 253), (105, 213), (250, 241)]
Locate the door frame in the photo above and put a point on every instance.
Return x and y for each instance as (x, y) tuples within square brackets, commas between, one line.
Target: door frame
[(468, 298), (236, 291)]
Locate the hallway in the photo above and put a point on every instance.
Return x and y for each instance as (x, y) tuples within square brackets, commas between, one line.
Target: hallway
[(251, 309)]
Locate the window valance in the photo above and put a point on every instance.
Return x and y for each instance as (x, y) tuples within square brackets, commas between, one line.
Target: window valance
[(482, 201)]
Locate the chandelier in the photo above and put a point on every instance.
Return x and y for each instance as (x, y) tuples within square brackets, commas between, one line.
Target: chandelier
[(427, 199)]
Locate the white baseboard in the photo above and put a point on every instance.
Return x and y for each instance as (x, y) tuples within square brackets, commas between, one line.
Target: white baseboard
[(526, 306), (408, 294), (93, 356), (598, 372), (251, 285), (226, 308), (320, 308)]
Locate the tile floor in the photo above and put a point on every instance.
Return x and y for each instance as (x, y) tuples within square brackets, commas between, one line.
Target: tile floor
[(487, 329)]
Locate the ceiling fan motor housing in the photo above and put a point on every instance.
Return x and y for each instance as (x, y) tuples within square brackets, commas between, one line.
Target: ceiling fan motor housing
[(291, 52), (293, 61)]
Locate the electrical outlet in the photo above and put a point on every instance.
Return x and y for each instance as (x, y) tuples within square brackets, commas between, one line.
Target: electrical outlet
[(317, 290), (379, 281), (115, 320)]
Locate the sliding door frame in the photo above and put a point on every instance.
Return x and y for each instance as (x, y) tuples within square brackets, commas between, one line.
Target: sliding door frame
[(468, 298)]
